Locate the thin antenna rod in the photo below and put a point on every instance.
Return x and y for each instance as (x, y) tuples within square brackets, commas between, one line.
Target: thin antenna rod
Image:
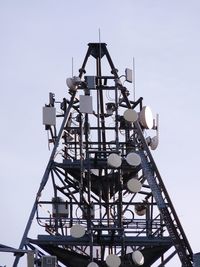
[(99, 46), (99, 35), (134, 79), (72, 67)]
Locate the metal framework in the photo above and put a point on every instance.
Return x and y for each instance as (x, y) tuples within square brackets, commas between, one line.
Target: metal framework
[(83, 189)]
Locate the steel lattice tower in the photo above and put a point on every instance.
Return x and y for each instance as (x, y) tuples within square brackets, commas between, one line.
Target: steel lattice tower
[(105, 202)]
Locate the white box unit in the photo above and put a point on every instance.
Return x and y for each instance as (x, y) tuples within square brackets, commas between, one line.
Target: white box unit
[(49, 261), (49, 116), (59, 207), (86, 104)]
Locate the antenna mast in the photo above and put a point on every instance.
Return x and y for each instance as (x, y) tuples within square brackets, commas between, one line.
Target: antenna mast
[(106, 202)]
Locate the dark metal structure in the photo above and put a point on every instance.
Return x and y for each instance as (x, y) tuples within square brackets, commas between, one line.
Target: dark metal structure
[(80, 188)]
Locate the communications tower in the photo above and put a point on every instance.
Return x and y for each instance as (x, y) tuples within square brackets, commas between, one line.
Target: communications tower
[(102, 201)]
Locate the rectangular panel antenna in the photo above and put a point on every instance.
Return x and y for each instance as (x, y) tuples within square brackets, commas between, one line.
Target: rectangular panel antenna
[(49, 116), (129, 75), (86, 104)]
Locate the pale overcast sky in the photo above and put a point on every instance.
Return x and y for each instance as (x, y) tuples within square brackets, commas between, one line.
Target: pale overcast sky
[(38, 40)]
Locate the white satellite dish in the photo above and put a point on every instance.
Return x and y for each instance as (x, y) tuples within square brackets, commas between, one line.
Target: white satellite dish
[(114, 160), (130, 115), (93, 264), (138, 258), (73, 82), (154, 142), (70, 84), (113, 260), (77, 231), (146, 117), (133, 159), (134, 185)]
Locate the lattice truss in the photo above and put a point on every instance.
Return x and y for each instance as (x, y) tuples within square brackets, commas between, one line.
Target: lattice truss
[(102, 201)]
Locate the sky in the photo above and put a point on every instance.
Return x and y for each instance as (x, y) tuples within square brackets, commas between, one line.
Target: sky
[(38, 41)]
